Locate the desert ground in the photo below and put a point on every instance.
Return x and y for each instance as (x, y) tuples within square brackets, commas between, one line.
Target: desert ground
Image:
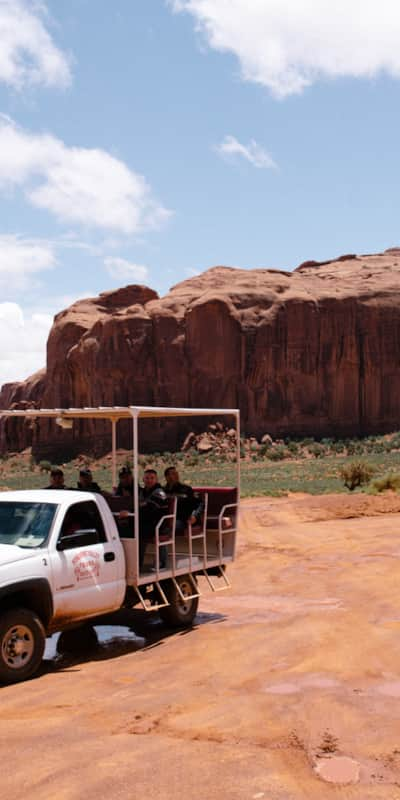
[(286, 688)]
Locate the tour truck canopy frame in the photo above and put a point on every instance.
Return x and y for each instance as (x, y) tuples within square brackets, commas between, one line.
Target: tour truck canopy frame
[(65, 416)]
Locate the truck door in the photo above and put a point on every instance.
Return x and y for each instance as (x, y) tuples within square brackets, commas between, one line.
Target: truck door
[(85, 578)]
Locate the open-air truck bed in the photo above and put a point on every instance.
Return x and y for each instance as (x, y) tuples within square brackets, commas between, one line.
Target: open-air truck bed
[(203, 551)]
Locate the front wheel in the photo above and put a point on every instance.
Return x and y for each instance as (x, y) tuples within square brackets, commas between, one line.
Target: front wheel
[(180, 613), (22, 642)]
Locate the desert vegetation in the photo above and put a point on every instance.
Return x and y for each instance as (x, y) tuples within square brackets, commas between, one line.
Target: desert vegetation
[(370, 464)]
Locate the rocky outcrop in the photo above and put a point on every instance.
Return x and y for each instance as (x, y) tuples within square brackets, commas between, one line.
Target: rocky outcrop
[(314, 351)]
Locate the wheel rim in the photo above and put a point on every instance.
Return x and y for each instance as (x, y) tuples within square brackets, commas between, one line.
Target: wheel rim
[(185, 605), (18, 646)]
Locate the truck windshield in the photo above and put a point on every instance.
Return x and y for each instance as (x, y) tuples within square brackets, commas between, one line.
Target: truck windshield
[(25, 524)]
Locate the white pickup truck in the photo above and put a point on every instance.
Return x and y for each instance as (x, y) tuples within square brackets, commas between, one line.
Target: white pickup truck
[(63, 560)]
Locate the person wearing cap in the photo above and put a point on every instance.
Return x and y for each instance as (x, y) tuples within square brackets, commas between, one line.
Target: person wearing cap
[(56, 479), (86, 482), (125, 485)]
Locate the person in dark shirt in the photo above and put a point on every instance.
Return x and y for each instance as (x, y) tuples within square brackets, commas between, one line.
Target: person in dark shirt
[(189, 507), (153, 504), (125, 485), (56, 479), (86, 482)]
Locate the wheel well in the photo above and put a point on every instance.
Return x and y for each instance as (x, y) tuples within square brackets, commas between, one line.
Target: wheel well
[(36, 598)]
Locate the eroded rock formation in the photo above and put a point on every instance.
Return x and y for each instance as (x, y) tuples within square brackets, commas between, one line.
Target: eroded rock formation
[(314, 351)]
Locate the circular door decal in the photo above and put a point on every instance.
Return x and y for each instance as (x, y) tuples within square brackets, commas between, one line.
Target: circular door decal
[(86, 565)]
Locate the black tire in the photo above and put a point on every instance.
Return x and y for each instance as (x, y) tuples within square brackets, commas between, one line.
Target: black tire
[(22, 642), (179, 614)]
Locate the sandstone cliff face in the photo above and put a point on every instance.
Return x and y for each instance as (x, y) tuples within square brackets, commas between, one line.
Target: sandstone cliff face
[(314, 351)]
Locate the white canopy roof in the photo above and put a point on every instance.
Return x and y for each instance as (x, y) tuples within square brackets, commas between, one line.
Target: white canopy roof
[(117, 412)]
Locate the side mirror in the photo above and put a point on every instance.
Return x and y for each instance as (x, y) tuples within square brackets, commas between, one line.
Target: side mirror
[(80, 538)]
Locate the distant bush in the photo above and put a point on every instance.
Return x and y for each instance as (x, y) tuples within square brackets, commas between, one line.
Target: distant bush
[(389, 481), (338, 446), (309, 440), (316, 450), (44, 466), (293, 447), (277, 453), (357, 473), (354, 447)]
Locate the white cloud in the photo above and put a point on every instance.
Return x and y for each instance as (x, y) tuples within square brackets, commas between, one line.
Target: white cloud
[(81, 185), (287, 45), (21, 259), (24, 333), (23, 342), (121, 269), (28, 55), (253, 152)]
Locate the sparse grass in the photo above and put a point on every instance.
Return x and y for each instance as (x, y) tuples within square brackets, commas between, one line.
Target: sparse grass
[(390, 481)]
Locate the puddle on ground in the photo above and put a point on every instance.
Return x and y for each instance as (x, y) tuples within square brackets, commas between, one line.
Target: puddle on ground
[(303, 682), (320, 682), (338, 769), (97, 639), (390, 689), (282, 688)]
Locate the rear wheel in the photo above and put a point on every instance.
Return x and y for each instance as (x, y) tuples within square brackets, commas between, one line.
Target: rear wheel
[(22, 642), (180, 613)]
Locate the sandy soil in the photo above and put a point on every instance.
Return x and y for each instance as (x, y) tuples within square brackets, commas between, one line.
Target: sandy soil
[(287, 688)]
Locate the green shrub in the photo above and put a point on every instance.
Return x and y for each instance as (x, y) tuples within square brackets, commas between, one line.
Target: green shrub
[(389, 481), (316, 450), (356, 473), (44, 466), (354, 447), (277, 453), (309, 440), (293, 447), (338, 447)]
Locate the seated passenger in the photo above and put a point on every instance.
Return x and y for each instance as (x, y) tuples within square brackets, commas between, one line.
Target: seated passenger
[(153, 505), (56, 479), (125, 486), (86, 482), (189, 506)]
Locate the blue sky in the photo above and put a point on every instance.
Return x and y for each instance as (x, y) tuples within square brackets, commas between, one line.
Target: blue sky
[(142, 141)]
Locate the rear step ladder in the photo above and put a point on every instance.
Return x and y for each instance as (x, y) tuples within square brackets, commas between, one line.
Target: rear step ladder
[(212, 585), (153, 606), (184, 597)]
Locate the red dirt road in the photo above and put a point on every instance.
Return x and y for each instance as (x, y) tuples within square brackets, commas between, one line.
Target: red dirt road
[(288, 688)]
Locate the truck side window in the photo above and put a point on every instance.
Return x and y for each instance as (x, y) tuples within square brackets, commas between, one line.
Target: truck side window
[(82, 516)]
